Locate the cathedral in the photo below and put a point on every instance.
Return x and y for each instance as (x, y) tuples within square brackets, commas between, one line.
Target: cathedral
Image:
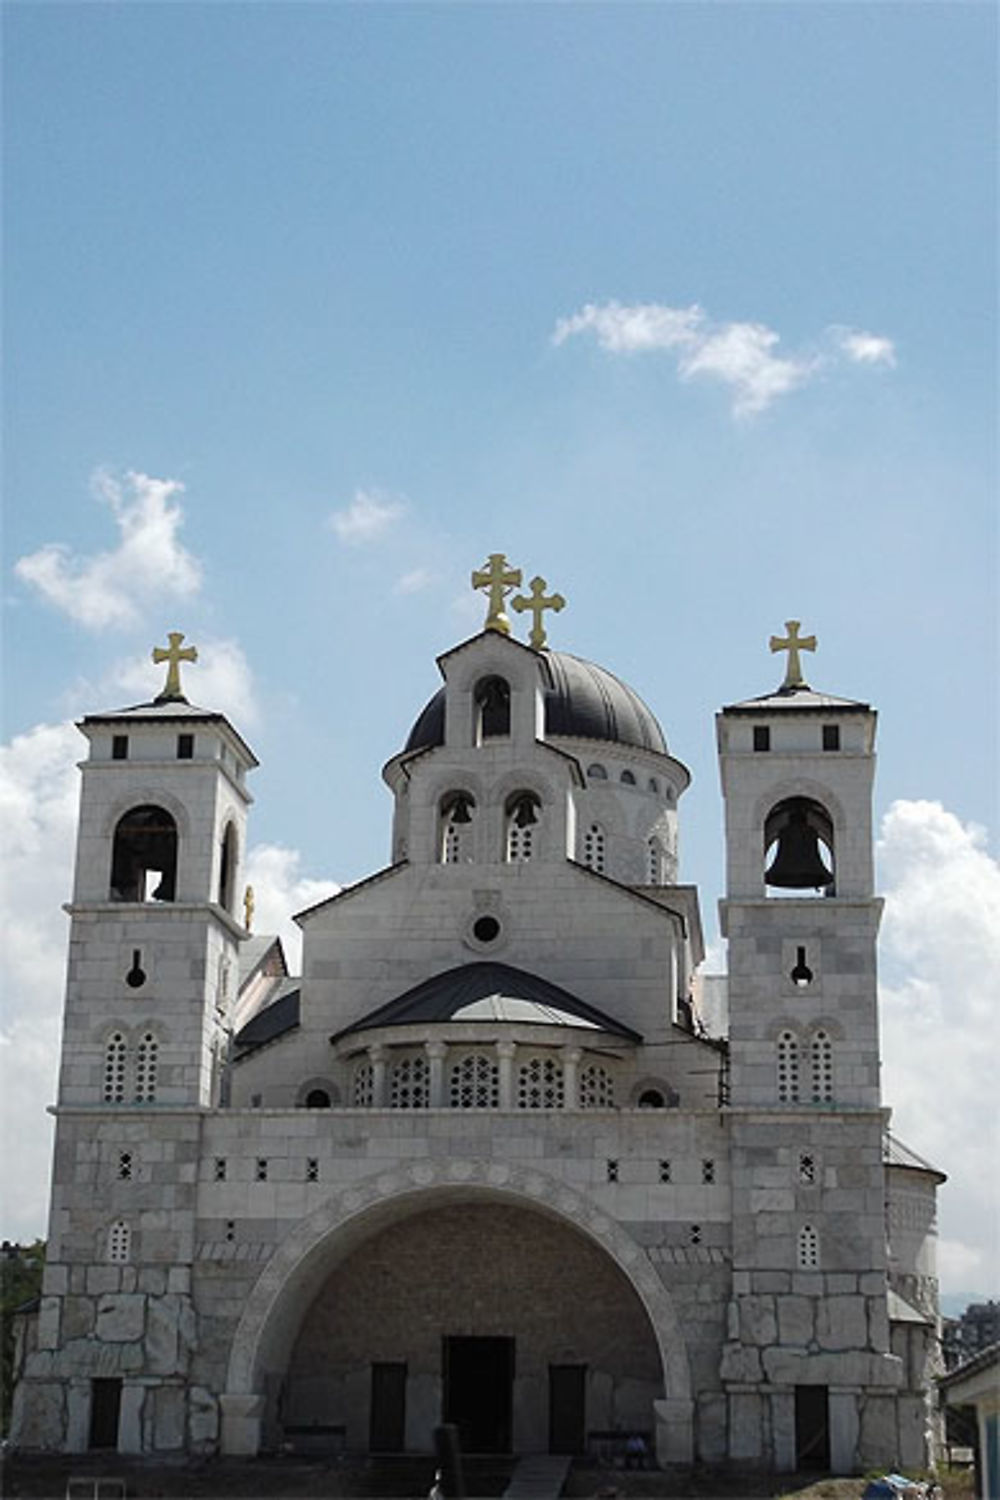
[(501, 1155)]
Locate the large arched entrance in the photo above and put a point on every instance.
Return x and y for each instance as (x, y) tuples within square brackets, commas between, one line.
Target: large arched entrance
[(469, 1291)]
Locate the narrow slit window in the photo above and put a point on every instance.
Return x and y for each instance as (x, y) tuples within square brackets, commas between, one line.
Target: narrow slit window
[(831, 736), (762, 737), (185, 747)]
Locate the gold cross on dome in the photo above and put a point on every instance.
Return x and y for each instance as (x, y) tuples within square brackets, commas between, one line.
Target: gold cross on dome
[(173, 656), (793, 643), (537, 603), (498, 580)]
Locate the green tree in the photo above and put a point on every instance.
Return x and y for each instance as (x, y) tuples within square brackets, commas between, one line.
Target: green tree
[(21, 1269)]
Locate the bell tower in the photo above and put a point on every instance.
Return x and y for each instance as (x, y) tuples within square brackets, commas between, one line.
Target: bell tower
[(808, 1314), (155, 913)]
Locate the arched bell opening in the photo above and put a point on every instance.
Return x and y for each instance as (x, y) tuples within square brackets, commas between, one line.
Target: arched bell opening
[(227, 868), (455, 817), (522, 814), (144, 856), (799, 848), (492, 700)]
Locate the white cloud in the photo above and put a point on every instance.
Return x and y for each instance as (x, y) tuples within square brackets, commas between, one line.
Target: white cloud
[(741, 355), (115, 588), (629, 330), (940, 957), (220, 680), (865, 348), (280, 890), (369, 515), (414, 581), (39, 788)]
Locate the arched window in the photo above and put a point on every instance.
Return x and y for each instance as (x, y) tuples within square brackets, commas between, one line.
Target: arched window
[(807, 1248), (597, 1088), (523, 815), (363, 1093), (408, 1083), (227, 868), (145, 1069), (788, 1068), (144, 856), (651, 1099), (119, 1243), (821, 1067), (492, 698), (317, 1099), (114, 1069), (627, 778), (654, 862), (540, 1084), (596, 772), (456, 814), (474, 1083), (654, 786), (798, 846), (593, 848)]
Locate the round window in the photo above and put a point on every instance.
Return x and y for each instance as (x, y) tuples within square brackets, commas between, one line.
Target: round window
[(486, 929)]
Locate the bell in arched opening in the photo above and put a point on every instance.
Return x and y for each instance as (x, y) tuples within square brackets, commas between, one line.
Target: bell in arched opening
[(802, 832)]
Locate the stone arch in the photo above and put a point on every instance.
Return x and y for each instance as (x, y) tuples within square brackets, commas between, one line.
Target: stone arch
[(267, 1329)]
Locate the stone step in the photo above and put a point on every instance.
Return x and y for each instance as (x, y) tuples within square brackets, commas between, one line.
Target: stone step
[(538, 1476)]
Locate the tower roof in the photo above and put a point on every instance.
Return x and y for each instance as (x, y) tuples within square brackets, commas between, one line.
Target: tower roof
[(582, 701), (798, 699)]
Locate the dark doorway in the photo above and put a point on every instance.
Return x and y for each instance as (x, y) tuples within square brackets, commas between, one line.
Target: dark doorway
[(567, 1408), (812, 1427), (387, 1415), (478, 1392), (105, 1410)]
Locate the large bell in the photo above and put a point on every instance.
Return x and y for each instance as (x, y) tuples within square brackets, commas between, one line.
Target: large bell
[(798, 864)]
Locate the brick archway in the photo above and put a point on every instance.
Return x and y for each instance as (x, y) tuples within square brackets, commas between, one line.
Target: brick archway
[(267, 1329)]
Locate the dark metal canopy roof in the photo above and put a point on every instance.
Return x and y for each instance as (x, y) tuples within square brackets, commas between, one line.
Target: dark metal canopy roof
[(489, 992), (582, 700)]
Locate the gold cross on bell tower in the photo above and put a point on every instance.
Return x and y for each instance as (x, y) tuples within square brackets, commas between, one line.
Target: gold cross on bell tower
[(793, 643), (537, 603), (498, 580), (173, 655)]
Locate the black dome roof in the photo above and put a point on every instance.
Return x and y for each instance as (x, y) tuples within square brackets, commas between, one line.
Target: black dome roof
[(582, 701)]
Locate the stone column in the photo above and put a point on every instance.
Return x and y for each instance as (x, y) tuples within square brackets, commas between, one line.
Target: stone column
[(674, 1431), (505, 1054), (844, 1429), (241, 1424), (571, 1065), (436, 1053), (377, 1058)]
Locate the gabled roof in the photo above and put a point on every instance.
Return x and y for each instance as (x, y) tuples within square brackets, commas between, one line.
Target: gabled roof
[(273, 1021), (169, 711), (254, 953), (489, 992)]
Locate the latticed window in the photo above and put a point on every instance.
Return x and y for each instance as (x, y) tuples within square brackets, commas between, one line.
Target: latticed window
[(808, 1248), (145, 1069), (593, 848), (654, 862), (408, 1084), (821, 1068), (597, 1088), (364, 1086), (474, 1083), (788, 1068), (114, 1069), (540, 1084), (119, 1242)]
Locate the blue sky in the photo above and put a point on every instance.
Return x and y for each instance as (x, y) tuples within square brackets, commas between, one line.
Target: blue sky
[(690, 308)]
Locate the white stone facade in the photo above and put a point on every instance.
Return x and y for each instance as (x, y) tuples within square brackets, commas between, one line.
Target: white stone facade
[(487, 1122)]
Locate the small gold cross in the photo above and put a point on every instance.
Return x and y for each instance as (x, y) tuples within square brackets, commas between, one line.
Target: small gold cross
[(248, 906), (793, 644), (498, 580), (173, 656), (537, 603)]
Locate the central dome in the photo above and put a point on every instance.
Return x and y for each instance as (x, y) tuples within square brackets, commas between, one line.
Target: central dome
[(582, 701)]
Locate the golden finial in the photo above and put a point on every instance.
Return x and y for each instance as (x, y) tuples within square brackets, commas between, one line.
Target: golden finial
[(248, 905), (498, 580), (537, 603), (173, 656), (793, 643)]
